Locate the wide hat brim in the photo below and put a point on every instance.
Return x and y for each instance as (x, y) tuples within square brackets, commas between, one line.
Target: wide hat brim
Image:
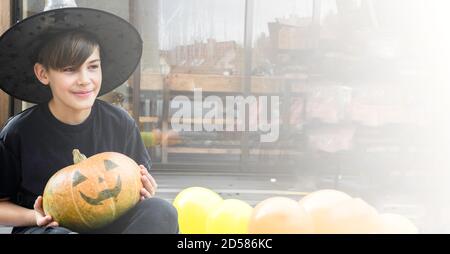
[(120, 42)]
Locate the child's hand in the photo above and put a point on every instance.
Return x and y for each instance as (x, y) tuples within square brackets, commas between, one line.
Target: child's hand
[(149, 184), (43, 220)]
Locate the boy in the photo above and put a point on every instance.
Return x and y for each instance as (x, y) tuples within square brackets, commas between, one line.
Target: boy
[(61, 64)]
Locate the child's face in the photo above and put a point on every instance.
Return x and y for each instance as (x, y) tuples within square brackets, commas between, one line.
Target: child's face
[(76, 89)]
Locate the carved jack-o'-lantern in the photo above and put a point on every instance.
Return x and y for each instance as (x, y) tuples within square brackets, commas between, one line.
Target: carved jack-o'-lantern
[(93, 192)]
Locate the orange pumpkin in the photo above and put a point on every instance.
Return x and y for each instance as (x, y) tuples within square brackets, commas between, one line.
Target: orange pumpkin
[(349, 216), (280, 215), (93, 192)]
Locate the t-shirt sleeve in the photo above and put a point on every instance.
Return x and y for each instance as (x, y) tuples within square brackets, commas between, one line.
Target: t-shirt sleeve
[(9, 172), (136, 149)]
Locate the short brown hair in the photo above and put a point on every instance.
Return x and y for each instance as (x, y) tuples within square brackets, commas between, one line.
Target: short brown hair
[(69, 48)]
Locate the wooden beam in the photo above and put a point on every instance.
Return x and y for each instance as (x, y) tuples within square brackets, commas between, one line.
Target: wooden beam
[(5, 17), (5, 22), (233, 151), (233, 84), (134, 9)]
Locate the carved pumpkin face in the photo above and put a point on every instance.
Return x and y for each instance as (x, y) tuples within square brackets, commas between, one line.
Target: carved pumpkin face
[(101, 178), (93, 192)]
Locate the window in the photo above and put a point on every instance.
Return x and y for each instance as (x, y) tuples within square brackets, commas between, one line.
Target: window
[(265, 85)]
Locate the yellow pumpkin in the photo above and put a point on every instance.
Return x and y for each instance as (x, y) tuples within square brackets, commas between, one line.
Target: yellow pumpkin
[(94, 191)]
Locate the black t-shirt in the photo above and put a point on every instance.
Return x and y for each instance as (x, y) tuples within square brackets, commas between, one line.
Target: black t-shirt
[(34, 145)]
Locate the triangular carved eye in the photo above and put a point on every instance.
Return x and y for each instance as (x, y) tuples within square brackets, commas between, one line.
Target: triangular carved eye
[(78, 178), (109, 165)]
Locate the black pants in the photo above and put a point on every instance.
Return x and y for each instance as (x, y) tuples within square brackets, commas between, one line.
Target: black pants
[(151, 216)]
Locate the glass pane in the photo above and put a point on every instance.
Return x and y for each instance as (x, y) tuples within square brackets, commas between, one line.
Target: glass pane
[(350, 80), (192, 45), (282, 36)]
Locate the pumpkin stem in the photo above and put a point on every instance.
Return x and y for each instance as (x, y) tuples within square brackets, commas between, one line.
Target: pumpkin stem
[(78, 156)]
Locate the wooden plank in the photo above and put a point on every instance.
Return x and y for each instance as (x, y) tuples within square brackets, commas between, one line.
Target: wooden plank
[(187, 150), (195, 150), (149, 119), (5, 22), (4, 107), (233, 84), (219, 121), (151, 81), (209, 83), (5, 15)]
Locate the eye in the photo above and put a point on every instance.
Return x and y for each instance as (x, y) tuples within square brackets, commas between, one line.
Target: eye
[(68, 69), (78, 178), (93, 67), (109, 165)]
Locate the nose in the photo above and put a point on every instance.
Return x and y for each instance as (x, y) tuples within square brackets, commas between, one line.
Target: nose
[(83, 78)]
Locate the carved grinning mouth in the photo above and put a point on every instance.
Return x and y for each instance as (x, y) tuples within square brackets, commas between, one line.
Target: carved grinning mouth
[(104, 194)]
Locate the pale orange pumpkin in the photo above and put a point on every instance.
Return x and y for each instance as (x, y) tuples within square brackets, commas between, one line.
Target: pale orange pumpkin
[(94, 191), (280, 215)]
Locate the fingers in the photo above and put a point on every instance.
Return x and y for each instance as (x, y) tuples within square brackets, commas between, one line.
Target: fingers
[(145, 194), (144, 171), (152, 181), (44, 221), (53, 224), (38, 206), (147, 185), (47, 221)]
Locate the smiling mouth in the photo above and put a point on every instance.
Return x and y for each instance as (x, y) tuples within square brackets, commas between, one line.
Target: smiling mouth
[(104, 194), (83, 93)]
